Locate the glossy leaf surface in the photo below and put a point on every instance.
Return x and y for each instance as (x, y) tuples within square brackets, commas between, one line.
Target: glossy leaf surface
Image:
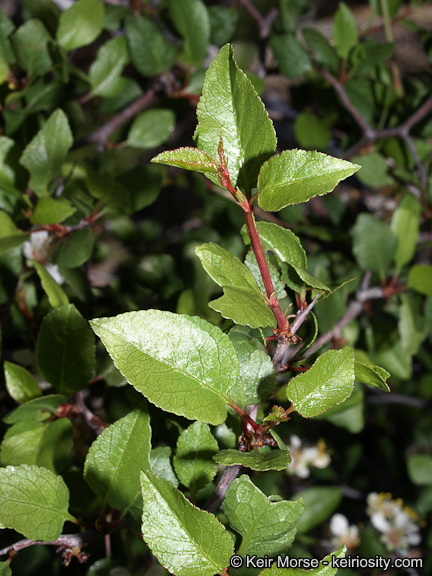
[(44, 155), (267, 526), (190, 159), (257, 379), (38, 409), (44, 444), (328, 382), (242, 301), (193, 461), (33, 501), (195, 543), (117, 456), (297, 175), (180, 363), (274, 460), (230, 108), (372, 375), (21, 385)]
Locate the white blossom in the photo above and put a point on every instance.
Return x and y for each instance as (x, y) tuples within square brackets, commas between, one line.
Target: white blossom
[(303, 457), (39, 248), (343, 533), (398, 524)]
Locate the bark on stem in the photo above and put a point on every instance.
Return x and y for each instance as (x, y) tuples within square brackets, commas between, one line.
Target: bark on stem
[(257, 247)]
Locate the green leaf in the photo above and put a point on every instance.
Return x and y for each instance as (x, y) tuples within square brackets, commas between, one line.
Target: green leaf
[(45, 154), (180, 363), (5, 568), (328, 382), (298, 62), (33, 501), (190, 159), (420, 469), (143, 182), (349, 414), (230, 109), (223, 22), (420, 279), (50, 211), (21, 385), (193, 461), (105, 72), (412, 324), (345, 33), (191, 20), (65, 350), (195, 543), (266, 526), (151, 53), (10, 236), (30, 42), (45, 444), (322, 50), (7, 55), (160, 464), (104, 188), (320, 502), (374, 244), (372, 375), (75, 249), (9, 242), (405, 224), (242, 301), (374, 170), (38, 409), (151, 128), (311, 132), (80, 24), (295, 277), (117, 456), (297, 175), (252, 265), (274, 460), (12, 176), (257, 379), (55, 293), (284, 244), (325, 567)]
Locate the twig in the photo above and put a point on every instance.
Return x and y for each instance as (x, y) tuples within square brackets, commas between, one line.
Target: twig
[(372, 135), (73, 542), (228, 475), (264, 22), (93, 421), (102, 134), (279, 357), (354, 309)]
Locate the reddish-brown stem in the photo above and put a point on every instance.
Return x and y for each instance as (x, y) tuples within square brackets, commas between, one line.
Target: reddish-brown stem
[(257, 247), (282, 323), (245, 417)]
